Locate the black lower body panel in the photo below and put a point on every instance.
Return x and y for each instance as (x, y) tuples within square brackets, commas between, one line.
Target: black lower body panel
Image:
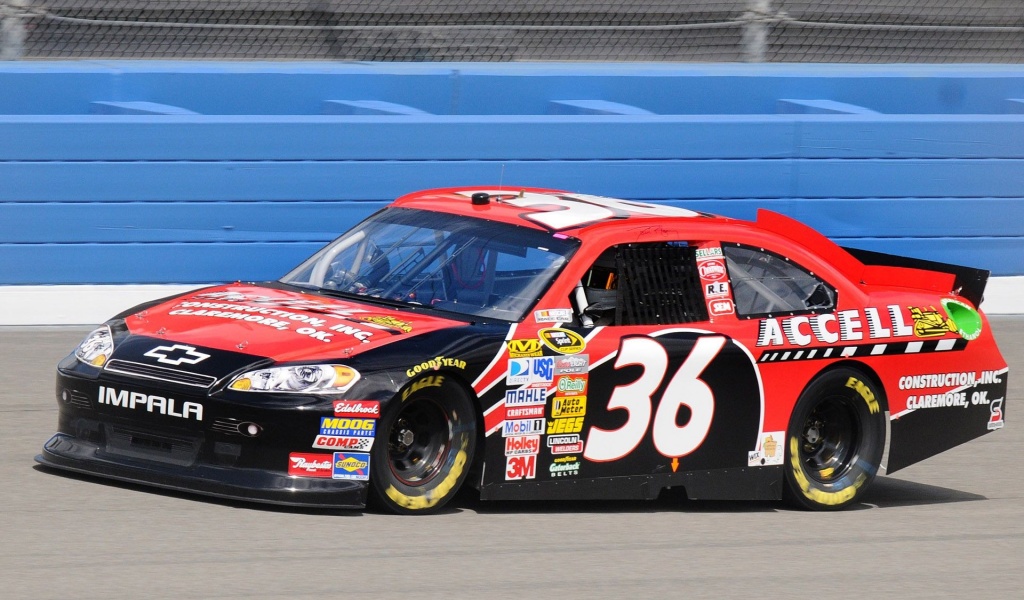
[(67, 452)]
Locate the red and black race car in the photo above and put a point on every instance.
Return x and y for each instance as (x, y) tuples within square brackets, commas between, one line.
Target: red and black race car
[(539, 344)]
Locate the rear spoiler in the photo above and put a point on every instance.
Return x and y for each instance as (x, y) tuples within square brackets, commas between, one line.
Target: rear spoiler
[(968, 282)]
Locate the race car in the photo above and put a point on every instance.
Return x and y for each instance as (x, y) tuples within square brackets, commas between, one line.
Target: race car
[(543, 345)]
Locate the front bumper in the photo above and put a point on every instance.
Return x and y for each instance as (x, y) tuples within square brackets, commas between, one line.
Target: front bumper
[(63, 451)]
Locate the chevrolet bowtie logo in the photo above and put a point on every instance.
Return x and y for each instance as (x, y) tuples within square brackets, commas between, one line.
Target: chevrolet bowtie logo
[(177, 354)]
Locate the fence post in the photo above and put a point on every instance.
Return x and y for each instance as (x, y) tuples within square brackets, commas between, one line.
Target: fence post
[(755, 30), (12, 30)]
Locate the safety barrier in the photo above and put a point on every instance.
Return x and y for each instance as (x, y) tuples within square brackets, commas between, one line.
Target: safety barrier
[(153, 172)]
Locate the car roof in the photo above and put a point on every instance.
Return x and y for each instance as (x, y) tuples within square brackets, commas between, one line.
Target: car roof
[(506, 204)]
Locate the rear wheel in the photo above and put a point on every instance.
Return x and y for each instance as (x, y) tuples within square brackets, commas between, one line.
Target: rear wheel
[(425, 446), (835, 441)]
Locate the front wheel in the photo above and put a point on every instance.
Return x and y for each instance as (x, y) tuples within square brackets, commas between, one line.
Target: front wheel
[(426, 440), (835, 441)]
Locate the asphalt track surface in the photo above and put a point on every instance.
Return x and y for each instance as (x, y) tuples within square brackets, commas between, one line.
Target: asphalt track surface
[(950, 527)]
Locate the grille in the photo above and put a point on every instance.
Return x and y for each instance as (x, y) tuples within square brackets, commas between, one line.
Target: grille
[(149, 446), (659, 285), (78, 399), (145, 371)]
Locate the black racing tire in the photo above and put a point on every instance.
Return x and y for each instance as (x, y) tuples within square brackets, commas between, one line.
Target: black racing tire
[(835, 440), (424, 449)]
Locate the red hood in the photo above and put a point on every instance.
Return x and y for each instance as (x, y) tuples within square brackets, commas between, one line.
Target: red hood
[(279, 324)]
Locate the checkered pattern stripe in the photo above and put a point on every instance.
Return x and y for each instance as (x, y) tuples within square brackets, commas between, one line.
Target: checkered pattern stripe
[(863, 350)]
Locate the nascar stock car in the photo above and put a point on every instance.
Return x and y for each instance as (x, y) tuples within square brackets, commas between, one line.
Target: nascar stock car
[(538, 344)]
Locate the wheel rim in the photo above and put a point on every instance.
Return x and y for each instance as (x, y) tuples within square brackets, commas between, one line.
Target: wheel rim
[(830, 440), (418, 442)]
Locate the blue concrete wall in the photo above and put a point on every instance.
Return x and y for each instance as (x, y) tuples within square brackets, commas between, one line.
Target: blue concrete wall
[(136, 172)]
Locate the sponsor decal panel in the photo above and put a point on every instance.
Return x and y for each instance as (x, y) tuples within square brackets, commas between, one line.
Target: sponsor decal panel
[(524, 412), (720, 307), (302, 464), (522, 427), (351, 465), (568, 425), (962, 394), (564, 466), (716, 289), (530, 371), (526, 397), (571, 385), (338, 442), (435, 364), (565, 444), (709, 253), (995, 420), (572, 364), (569, 406), (357, 408), (522, 444), (522, 466), (388, 322), (562, 341), (852, 325), (769, 450), (553, 315), (525, 348), (150, 403), (347, 427), (712, 269)]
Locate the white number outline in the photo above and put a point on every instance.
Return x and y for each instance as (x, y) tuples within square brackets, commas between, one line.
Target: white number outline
[(671, 440)]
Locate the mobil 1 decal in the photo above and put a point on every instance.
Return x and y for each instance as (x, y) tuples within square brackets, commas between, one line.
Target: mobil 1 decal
[(674, 402)]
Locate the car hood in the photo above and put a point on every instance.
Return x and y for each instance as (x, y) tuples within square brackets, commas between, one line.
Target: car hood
[(280, 324)]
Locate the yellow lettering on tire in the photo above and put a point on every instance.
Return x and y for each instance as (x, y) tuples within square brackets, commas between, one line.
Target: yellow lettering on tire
[(435, 494), (812, 493), (865, 392)]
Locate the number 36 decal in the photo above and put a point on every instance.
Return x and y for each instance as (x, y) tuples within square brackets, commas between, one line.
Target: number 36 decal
[(685, 389)]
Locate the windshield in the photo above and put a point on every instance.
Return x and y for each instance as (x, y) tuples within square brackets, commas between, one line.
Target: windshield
[(465, 265)]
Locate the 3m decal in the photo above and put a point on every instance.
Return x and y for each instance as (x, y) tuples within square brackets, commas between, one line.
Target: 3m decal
[(154, 404), (357, 408), (310, 465), (520, 467), (351, 465), (685, 388), (562, 341), (524, 348)]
